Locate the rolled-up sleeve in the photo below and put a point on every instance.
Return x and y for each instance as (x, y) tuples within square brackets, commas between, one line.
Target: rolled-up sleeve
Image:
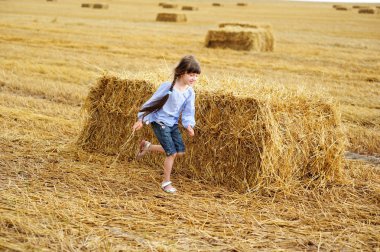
[(188, 113), (160, 92)]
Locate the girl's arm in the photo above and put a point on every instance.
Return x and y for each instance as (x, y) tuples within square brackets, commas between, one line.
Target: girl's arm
[(188, 113), (160, 92)]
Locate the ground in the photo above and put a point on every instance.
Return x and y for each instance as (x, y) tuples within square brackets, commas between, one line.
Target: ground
[(55, 196)]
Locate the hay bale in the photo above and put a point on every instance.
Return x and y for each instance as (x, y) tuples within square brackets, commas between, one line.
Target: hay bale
[(367, 11), (337, 5), (161, 4), (86, 5), (341, 8), (100, 6), (216, 4), (254, 141), (169, 6), (171, 17), (241, 4), (237, 38), (189, 8), (245, 25)]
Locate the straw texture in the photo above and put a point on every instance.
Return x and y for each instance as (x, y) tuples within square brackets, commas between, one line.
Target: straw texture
[(243, 142), (241, 38)]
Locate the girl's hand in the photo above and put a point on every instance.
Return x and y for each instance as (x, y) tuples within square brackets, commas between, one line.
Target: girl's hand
[(190, 131), (138, 125)]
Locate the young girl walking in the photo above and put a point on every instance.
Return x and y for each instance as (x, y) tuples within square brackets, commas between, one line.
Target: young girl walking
[(163, 110)]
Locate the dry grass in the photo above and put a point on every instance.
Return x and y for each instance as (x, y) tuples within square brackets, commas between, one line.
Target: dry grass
[(55, 197)]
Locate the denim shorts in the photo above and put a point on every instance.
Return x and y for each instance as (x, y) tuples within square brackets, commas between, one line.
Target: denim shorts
[(169, 137)]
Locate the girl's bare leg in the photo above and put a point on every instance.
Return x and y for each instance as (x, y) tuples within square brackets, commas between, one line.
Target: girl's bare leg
[(168, 165)]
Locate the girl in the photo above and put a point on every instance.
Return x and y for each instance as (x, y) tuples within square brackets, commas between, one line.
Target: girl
[(162, 111)]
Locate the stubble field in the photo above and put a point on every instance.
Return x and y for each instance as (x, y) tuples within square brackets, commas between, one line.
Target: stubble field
[(54, 196)]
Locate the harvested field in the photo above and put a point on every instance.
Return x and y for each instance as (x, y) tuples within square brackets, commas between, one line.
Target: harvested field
[(56, 196)]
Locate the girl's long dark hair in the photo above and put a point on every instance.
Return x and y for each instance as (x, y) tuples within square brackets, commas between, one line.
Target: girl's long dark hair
[(188, 64)]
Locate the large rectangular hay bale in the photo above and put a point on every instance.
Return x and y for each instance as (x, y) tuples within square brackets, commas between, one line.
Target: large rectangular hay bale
[(238, 38), (241, 4), (216, 4), (171, 17), (242, 142)]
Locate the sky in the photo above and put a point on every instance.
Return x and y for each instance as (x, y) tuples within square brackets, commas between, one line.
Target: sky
[(340, 1)]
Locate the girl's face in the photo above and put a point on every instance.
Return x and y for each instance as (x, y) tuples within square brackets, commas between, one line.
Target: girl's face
[(190, 78)]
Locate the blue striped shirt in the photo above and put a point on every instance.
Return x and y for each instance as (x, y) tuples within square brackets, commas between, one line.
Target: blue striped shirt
[(177, 103)]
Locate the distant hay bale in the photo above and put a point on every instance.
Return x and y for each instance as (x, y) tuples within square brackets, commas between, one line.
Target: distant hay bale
[(161, 4), (341, 8), (238, 38), (241, 4), (51, 0), (378, 7), (217, 4), (169, 6), (367, 11), (86, 5), (262, 140), (100, 6), (171, 17), (189, 8), (337, 5), (245, 25)]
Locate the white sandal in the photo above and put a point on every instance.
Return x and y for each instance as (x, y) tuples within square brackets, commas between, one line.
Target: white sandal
[(165, 184), (144, 147)]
